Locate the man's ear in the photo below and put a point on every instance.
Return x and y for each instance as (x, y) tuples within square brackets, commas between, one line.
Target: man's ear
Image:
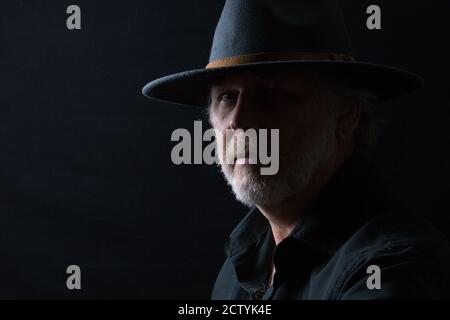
[(348, 118)]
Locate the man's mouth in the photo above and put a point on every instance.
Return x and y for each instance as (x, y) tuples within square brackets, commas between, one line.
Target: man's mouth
[(242, 160), (245, 159)]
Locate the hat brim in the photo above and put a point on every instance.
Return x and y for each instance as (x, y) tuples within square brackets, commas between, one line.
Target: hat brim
[(192, 87)]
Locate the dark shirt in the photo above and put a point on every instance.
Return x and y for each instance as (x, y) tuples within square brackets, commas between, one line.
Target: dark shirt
[(352, 225)]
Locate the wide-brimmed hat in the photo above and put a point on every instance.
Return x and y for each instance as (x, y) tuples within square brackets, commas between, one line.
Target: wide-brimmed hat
[(303, 35)]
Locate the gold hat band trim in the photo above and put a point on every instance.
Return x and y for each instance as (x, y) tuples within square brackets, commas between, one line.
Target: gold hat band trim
[(277, 56)]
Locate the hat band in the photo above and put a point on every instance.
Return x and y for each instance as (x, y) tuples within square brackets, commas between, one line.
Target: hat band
[(277, 56)]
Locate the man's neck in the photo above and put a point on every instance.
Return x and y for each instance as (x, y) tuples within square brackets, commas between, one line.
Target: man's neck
[(285, 215)]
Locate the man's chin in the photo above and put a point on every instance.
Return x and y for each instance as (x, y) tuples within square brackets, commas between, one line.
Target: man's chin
[(249, 188), (252, 189), (243, 169)]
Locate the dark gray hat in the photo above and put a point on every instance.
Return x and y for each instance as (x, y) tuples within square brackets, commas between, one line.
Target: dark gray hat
[(303, 35)]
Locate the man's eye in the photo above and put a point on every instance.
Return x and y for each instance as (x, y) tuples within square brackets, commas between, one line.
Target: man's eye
[(274, 93), (276, 96), (226, 97), (271, 92)]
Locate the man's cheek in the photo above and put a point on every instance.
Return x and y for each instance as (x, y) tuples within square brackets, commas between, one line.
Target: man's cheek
[(288, 142)]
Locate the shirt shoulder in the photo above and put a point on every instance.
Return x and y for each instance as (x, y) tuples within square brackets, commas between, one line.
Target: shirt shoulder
[(412, 256), (393, 231)]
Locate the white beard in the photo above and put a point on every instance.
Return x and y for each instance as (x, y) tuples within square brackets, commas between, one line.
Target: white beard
[(251, 188)]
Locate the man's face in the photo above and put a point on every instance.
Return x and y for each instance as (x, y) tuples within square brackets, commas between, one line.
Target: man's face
[(288, 101)]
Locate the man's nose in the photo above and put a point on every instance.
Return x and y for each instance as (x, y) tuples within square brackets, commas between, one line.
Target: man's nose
[(244, 115)]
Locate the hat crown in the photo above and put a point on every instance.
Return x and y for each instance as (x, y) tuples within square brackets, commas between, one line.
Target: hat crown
[(265, 26), (279, 34)]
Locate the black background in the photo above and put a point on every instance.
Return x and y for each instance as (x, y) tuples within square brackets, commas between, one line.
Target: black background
[(85, 170)]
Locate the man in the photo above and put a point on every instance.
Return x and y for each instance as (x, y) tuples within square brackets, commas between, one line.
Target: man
[(322, 227)]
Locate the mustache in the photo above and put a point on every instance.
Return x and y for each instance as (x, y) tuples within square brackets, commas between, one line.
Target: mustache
[(239, 146), (249, 147)]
